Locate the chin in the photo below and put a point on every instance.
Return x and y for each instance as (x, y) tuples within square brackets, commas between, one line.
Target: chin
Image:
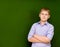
[(44, 20)]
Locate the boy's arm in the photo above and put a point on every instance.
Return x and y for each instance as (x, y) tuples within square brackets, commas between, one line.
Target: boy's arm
[(33, 39), (42, 39), (48, 38), (31, 33)]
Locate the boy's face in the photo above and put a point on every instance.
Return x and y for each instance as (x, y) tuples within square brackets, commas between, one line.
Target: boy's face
[(44, 15)]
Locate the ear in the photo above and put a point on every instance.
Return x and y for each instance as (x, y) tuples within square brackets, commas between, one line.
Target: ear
[(39, 15), (49, 16)]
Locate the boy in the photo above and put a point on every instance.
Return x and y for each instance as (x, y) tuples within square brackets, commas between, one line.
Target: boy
[(41, 32)]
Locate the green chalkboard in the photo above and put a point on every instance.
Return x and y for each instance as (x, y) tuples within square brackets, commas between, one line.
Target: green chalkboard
[(17, 16)]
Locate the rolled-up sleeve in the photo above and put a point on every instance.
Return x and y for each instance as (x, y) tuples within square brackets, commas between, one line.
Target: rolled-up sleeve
[(32, 31), (50, 33)]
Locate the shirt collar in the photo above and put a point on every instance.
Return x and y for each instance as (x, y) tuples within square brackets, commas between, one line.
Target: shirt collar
[(44, 24)]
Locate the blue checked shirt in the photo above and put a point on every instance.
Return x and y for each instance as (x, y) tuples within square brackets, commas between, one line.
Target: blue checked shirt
[(46, 30)]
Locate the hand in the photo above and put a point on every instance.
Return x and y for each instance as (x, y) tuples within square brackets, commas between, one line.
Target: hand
[(35, 35)]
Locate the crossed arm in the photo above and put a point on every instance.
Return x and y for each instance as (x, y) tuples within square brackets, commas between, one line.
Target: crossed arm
[(32, 37), (37, 38)]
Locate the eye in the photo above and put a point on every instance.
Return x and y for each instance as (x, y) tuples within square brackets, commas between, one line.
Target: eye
[(46, 14), (42, 13)]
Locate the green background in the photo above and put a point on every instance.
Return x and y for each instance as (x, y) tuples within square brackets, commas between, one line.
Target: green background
[(17, 16)]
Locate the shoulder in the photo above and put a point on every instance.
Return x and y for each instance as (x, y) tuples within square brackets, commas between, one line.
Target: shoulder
[(50, 25), (35, 24)]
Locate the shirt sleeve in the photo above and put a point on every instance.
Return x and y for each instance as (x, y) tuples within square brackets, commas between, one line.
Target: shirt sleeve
[(32, 31), (50, 33)]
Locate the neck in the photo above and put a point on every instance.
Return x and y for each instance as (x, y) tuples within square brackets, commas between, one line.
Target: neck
[(43, 22)]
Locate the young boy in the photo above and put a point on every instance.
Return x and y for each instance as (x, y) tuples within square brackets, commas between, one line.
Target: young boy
[(41, 32)]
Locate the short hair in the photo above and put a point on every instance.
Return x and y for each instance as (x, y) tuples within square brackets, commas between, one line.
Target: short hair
[(45, 9)]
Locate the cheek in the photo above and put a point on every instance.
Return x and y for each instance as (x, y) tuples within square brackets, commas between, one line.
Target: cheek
[(41, 16), (46, 17)]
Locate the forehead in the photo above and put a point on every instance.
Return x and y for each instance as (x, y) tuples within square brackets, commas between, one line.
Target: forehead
[(44, 11)]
